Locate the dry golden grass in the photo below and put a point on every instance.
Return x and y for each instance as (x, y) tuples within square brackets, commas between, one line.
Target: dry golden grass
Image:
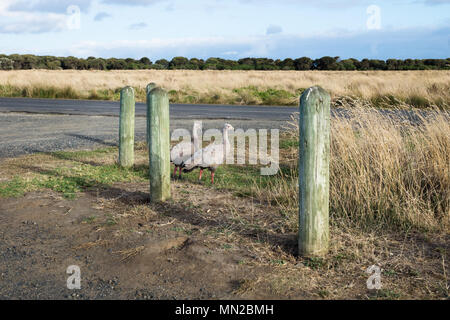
[(419, 88), (384, 172), (130, 253)]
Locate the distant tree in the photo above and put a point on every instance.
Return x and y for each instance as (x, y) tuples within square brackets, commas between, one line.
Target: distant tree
[(365, 64), (419, 64), (392, 64), (162, 63), (211, 64), (54, 65), (246, 64), (116, 64), (131, 64), (377, 64), (145, 61), (347, 64), (326, 63), (73, 63), (96, 64), (196, 64), (265, 64), (229, 64), (179, 63), (156, 66), (220, 64), (303, 63), (29, 61), (435, 63), (6, 64), (278, 63), (286, 64)]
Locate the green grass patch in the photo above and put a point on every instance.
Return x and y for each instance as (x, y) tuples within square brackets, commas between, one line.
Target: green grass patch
[(386, 294), (288, 143), (232, 177), (74, 176), (314, 263), (14, 188), (84, 154), (269, 96), (45, 92)]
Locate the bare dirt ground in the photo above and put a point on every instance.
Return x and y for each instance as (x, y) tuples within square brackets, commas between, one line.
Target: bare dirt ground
[(203, 244), (157, 253)]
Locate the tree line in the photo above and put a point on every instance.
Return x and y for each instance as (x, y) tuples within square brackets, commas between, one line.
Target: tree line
[(27, 61)]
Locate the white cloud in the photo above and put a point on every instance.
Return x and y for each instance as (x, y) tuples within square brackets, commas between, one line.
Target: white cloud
[(101, 16), (138, 26), (133, 2), (38, 6), (198, 47), (331, 4), (231, 53), (38, 16), (436, 2), (33, 24), (274, 29), (406, 43), (339, 4), (27, 22)]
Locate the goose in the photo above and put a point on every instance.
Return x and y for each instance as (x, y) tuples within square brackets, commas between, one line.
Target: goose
[(185, 150), (210, 157)]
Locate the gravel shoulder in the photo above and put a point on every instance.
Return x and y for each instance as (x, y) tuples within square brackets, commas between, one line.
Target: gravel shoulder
[(22, 133)]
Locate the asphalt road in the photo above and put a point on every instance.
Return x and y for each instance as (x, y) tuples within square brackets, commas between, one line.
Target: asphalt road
[(177, 111), (44, 125)]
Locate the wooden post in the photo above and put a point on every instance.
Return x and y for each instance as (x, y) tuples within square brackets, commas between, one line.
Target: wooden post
[(159, 144), (126, 127), (149, 88), (314, 172)]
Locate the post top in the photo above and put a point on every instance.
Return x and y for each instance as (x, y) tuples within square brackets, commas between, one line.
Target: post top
[(314, 92), (128, 88), (151, 86), (158, 91)]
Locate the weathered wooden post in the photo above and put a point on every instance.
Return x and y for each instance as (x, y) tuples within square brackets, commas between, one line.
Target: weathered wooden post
[(126, 127), (314, 172), (149, 88), (159, 144)]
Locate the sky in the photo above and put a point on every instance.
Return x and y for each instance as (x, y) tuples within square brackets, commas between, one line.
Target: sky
[(231, 29)]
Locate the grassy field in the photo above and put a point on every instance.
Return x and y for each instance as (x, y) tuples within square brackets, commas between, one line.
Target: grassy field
[(390, 202), (379, 88)]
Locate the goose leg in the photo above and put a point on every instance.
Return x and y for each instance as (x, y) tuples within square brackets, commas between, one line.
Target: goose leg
[(200, 176), (175, 172), (212, 177), (179, 174)]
